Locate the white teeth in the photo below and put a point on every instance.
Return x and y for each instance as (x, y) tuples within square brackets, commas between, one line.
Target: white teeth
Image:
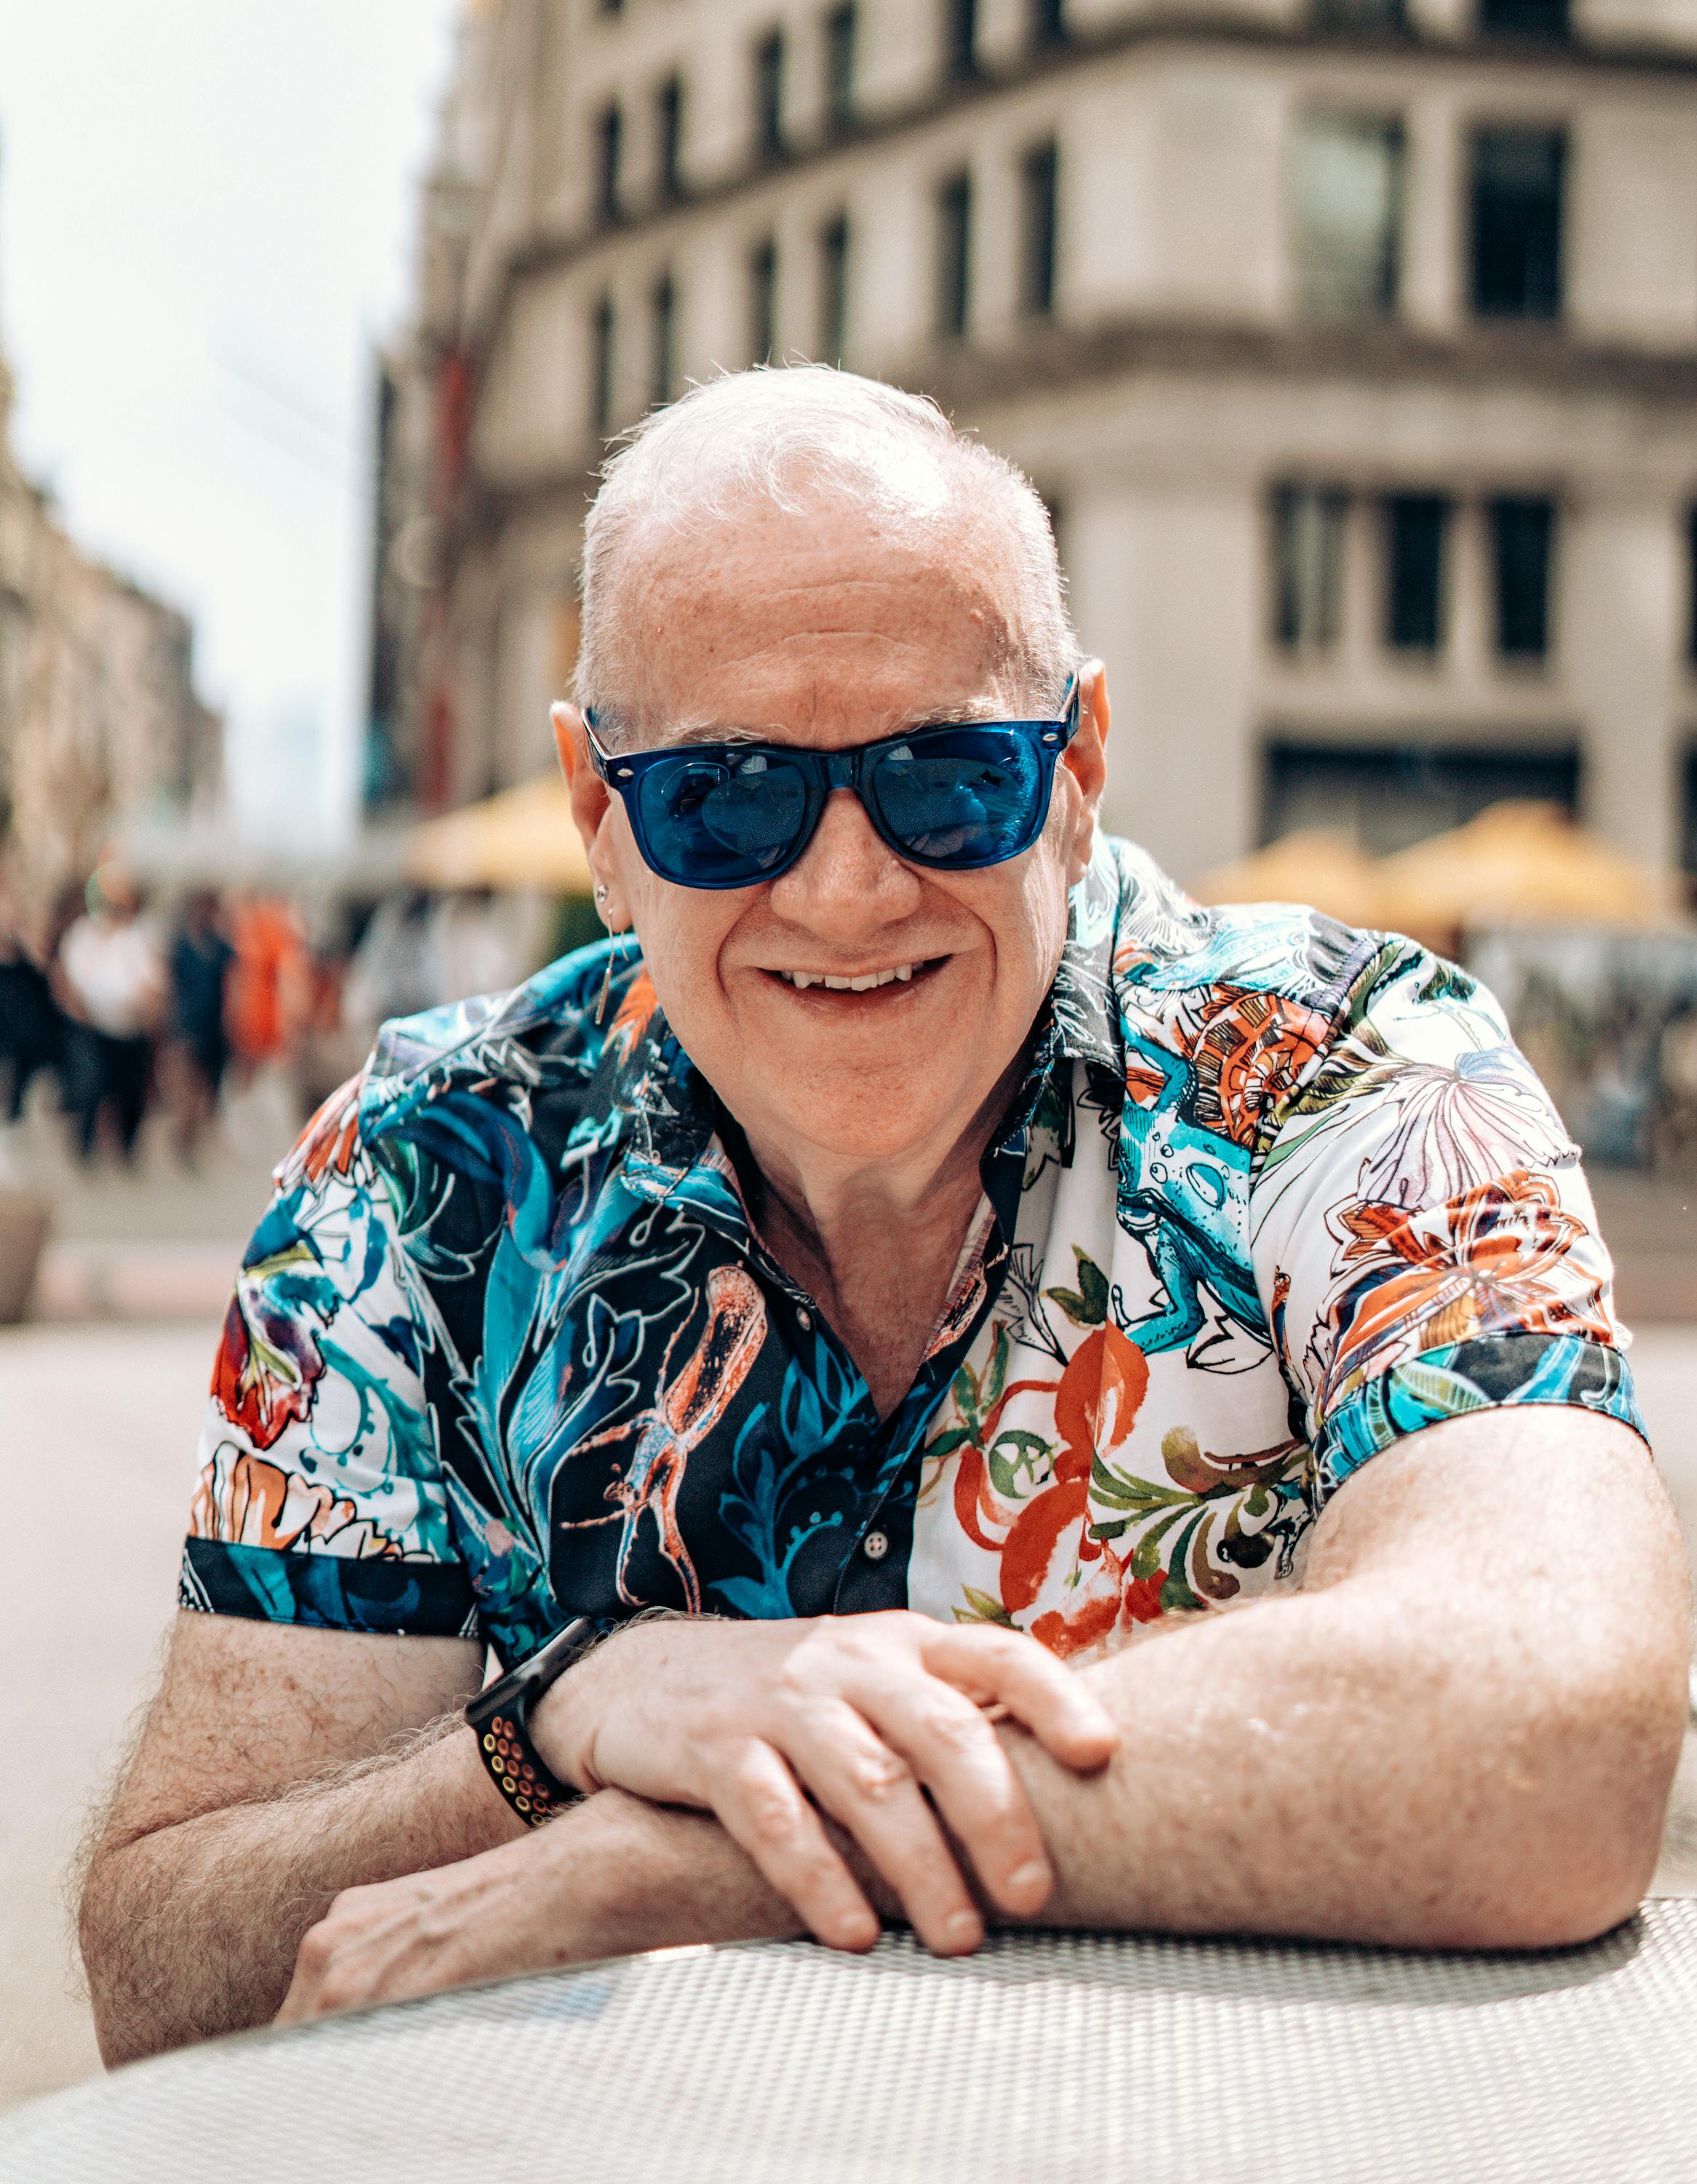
[(864, 985)]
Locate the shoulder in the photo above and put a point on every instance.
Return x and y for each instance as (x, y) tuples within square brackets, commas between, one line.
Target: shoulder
[(502, 1054), (1166, 946)]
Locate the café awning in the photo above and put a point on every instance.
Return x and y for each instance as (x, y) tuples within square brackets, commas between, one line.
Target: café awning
[(522, 838)]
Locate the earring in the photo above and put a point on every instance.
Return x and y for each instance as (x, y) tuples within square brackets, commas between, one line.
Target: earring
[(607, 976)]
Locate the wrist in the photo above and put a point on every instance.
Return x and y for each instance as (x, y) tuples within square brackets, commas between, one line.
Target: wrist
[(563, 1722)]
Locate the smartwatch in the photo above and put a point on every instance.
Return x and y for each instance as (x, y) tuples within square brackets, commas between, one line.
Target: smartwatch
[(500, 1717)]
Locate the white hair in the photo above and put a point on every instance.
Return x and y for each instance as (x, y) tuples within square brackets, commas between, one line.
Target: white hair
[(785, 437)]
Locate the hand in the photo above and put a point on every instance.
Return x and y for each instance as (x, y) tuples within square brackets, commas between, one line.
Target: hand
[(398, 1939), (874, 1719)]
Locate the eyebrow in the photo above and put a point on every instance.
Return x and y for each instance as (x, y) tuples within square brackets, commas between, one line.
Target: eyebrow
[(969, 711)]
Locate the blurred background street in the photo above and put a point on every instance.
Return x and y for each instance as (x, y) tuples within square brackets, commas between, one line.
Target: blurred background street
[(1351, 344)]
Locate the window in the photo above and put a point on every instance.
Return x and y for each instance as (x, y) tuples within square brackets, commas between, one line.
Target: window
[(1348, 214), (954, 256), (961, 40), (839, 70), (663, 341), (1522, 534), (609, 132), (1415, 527), (1388, 796), (1308, 553), (769, 97), (833, 289), (1047, 23), (763, 300), (1523, 19), (669, 118), (1360, 17), (1036, 231), (604, 348), (1517, 223)]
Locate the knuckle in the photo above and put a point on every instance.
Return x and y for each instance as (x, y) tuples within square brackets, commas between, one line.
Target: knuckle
[(880, 1776), (317, 1949), (769, 1807), (956, 1729)]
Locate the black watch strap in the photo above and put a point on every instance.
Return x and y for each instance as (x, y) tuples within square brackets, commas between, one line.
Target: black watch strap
[(499, 1716)]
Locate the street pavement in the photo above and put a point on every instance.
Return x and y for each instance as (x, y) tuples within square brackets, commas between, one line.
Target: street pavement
[(100, 1405)]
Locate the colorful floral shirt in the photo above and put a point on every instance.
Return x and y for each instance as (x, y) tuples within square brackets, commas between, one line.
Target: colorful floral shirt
[(507, 1348)]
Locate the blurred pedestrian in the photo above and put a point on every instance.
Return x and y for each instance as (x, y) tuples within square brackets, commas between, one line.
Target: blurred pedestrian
[(30, 1029), (111, 984), (200, 960), (263, 992)]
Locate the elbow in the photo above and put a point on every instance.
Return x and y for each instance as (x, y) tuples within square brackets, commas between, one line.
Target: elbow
[(108, 1933), (1566, 1847)]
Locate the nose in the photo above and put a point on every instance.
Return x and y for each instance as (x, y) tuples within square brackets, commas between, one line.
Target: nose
[(846, 880)]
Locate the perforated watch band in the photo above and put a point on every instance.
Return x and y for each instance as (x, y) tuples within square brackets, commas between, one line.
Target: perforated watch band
[(500, 1718)]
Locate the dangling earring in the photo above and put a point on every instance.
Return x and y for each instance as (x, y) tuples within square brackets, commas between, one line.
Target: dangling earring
[(607, 976)]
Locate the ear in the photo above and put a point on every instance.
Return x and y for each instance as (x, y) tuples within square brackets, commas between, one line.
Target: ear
[(1086, 760), (591, 808)]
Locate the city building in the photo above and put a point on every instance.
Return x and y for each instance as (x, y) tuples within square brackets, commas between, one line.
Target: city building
[(100, 724), (1353, 343)]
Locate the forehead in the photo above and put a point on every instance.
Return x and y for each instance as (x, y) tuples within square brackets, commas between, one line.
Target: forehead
[(821, 619)]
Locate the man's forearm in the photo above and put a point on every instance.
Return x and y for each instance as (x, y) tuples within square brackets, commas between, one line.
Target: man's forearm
[(1313, 1766), (191, 1931)]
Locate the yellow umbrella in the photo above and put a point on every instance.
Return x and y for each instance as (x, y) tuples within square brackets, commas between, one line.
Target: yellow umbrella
[(1318, 866), (524, 837), (1518, 863)]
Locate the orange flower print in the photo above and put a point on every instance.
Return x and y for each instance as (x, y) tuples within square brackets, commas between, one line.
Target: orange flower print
[(1096, 1406), (1504, 1256), (250, 1502), (326, 1145)]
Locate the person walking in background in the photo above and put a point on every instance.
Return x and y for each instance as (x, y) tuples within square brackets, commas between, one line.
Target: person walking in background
[(30, 1031), (264, 994), (200, 959), (111, 984)]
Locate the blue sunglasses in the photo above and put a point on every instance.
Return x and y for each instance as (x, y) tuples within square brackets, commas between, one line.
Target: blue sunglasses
[(736, 814)]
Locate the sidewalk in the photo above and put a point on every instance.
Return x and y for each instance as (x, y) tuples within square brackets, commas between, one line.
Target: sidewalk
[(156, 1241)]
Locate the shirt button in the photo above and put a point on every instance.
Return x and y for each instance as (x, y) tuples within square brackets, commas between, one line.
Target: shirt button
[(804, 1318), (876, 1546)]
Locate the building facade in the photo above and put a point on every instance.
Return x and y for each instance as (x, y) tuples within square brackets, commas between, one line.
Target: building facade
[(100, 724), (1353, 343)]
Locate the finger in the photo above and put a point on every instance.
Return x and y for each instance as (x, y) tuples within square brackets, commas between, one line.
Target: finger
[(1006, 1667), (760, 1807), (952, 1747), (873, 1792)]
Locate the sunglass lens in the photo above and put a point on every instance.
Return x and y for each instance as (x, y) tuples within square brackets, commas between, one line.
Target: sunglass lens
[(972, 799), (711, 822)]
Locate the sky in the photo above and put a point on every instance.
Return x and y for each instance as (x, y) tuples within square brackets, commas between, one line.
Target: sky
[(206, 223)]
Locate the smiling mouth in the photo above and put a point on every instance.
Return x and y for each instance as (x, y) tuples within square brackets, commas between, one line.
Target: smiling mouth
[(859, 981)]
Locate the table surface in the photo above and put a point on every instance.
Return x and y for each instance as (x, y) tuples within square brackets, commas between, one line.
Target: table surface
[(1047, 2055)]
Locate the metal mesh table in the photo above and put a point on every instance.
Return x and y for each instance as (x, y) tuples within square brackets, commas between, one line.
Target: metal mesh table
[(1063, 2056)]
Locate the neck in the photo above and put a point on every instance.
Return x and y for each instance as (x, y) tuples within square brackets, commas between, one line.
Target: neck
[(876, 1244)]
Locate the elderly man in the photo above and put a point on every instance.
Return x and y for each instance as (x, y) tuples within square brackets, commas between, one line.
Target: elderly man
[(941, 1256)]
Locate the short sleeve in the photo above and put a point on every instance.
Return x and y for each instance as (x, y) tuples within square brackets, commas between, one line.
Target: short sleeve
[(321, 1498), (1423, 1236)]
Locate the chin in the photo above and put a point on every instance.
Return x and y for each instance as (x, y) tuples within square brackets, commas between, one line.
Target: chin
[(869, 1130)]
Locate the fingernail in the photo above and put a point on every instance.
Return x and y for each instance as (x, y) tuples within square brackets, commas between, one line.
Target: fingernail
[(963, 1928), (1032, 1879)]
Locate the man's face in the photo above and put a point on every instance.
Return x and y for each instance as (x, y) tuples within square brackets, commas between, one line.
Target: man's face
[(820, 628)]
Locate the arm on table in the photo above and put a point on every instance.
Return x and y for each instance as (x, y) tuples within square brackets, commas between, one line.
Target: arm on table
[(227, 1838), (1460, 1732)]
